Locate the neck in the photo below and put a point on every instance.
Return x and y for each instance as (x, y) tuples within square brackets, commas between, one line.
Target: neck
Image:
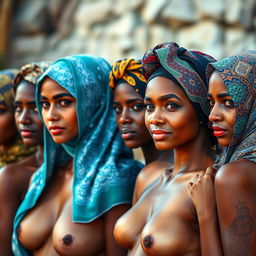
[(195, 155), (151, 154), (39, 155)]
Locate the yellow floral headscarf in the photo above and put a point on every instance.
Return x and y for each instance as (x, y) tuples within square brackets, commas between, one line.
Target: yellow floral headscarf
[(129, 71)]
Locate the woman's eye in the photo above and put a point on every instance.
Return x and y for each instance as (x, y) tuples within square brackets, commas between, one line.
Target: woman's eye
[(17, 109), (171, 106), (138, 107), (44, 104), (117, 108), (229, 103), (211, 103), (65, 103), (149, 107)]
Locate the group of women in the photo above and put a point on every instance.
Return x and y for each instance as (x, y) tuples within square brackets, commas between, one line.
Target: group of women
[(81, 193)]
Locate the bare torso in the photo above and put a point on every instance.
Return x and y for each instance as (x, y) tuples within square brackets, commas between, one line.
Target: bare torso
[(48, 228), (163, 221)]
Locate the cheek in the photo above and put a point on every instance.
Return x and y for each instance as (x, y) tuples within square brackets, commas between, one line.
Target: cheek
[(7, 121), (139, 119)]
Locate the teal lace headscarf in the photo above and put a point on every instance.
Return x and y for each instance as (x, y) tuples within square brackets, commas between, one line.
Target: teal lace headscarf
[(104, 169)]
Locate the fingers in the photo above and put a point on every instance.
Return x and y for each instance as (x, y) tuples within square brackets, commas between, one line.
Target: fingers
[(210, 171)]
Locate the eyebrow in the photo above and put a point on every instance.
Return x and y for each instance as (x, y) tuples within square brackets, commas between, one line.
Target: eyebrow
[(129, 101), (220, 95), (164, 97), (29, 102), (57, 96)]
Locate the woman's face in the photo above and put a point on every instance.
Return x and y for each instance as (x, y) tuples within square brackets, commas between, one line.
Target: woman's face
[(27, 118), (58, 111), (8, 129), (170, 117), (130, 113), (223, 113)]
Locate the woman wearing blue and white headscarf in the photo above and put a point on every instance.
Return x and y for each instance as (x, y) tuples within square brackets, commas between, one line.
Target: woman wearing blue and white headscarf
[(88, 175)]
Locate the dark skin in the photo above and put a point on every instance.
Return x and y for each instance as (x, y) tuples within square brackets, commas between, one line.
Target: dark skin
[(229, 199), (163, 221), (130, 118), (8, 131), (14, 178), (56, 233)]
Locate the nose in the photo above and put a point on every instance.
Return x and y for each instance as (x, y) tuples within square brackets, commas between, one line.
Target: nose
[(51, 113), (24, 118), (155, 117), (125, 116), (215, 114)]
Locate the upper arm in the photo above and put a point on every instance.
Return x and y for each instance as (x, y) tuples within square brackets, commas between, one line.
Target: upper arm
[(110, 218), (235, 186), (9, 202)]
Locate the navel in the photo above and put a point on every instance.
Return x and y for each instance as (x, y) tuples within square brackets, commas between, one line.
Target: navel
[(148, 241), (67, 239)]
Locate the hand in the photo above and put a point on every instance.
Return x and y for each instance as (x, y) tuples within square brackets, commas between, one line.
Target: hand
[(203, 194)]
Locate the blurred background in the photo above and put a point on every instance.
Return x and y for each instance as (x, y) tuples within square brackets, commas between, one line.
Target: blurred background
[(35, 30)]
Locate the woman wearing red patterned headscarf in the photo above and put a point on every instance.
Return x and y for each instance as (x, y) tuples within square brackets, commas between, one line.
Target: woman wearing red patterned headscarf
[(164, 221)]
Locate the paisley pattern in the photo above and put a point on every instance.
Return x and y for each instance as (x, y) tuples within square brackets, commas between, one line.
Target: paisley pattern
[(104, 169), (239, 75), (31, 72), (129, 71), (187, 67)]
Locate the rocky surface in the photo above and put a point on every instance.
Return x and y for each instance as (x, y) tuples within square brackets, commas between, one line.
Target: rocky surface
[(114, 29)]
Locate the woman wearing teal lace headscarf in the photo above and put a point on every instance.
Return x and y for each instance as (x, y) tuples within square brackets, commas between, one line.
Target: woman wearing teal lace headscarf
[(232, 93), (12, 148), (102, 175)]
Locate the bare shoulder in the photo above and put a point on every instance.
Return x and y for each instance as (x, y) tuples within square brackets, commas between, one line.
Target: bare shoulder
[(16, 174), (237, 174), (148, 175)]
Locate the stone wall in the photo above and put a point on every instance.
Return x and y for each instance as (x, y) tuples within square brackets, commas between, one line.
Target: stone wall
[(114, 29)]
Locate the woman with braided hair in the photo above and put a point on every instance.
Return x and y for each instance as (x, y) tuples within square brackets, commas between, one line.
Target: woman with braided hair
[(129, 86), (164, 221), (14, 178)]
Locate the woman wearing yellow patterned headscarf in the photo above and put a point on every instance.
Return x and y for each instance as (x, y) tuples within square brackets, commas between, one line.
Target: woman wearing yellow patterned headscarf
[(12, 148), (128, 85)]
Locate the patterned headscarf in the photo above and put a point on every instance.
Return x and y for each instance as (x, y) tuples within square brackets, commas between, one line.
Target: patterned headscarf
[(128, 71), (16, 151), (31, 72), (6, 86), (104, 170), (186, 69), (239, 76)]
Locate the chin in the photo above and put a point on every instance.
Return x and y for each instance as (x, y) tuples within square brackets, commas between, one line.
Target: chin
[(163, 146)]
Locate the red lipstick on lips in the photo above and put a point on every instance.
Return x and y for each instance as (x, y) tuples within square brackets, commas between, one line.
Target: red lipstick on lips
[(55, 130), (218, 131), (159, 134)]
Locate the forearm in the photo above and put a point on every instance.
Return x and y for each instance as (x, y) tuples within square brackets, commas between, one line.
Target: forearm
[(210, 236)]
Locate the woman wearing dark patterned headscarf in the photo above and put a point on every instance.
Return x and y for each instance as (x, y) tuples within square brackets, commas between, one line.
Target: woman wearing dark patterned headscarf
[(12, 148), (164, 218), (129, 86), (15, 177), (232, 92)]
